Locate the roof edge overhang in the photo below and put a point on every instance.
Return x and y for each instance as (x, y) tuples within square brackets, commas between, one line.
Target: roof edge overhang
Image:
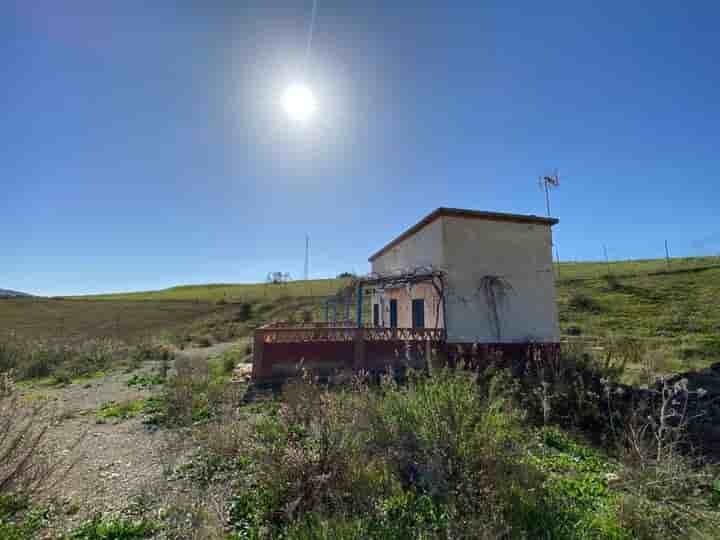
[(462, 213)]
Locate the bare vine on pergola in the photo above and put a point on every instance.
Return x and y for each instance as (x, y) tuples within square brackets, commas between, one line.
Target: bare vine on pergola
[(407, 278)]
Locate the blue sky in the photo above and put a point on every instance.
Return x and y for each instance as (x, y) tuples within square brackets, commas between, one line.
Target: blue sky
[(143, 147)]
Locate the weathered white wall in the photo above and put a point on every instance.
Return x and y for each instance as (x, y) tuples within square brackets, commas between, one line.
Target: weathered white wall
[(424, 248), (469, 249), (520, 254)]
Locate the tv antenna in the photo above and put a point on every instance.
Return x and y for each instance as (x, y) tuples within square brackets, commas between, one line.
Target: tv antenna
[(548, 182)]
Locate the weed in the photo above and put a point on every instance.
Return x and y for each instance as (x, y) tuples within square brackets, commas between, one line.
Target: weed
[(146, 380), (113, 528), (120, 411)]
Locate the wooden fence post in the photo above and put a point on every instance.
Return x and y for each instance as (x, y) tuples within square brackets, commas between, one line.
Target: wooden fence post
[(258, 349), (359, 360)]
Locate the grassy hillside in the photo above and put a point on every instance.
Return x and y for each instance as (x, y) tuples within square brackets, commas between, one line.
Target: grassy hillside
[(589, 270), (75, 320), (675, 312), (251, 292), (677, 309)]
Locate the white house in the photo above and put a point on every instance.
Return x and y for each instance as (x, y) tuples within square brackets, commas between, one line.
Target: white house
[(498, 279)]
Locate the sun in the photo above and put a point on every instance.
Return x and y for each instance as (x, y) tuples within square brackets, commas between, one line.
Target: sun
[(299, 102)]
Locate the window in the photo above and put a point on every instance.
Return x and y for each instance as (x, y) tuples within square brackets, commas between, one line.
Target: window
[(376, 314), (418, 313)]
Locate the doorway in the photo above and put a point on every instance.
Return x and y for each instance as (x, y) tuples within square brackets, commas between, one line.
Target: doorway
[(418, 313)]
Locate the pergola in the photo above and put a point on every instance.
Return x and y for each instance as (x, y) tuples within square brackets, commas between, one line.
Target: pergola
[(404, 278)]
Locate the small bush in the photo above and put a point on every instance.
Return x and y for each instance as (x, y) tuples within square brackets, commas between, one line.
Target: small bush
[(146, 380), (148, 351), (613, 283), (192, 395), (245, 312), (113, 528), (62, 376), (203, 341), (122, 410), (26, 462), (229, 362), (583, 302), (573, 330), (19, 521), (12, 351)]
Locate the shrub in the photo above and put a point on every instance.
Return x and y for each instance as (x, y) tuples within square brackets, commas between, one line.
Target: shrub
[(27, 464), (18, 520), (573, 330), (229, 361), (146, 380), (148, 351), (583, 302), (12, 351), (245, 312), (409, 461), (203, 341), (192, 395), (442, 456), (122, 410), (612, 282), (61, 376), (113, 528)]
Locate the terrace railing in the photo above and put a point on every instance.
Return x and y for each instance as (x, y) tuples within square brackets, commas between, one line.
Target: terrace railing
[(282, 332)]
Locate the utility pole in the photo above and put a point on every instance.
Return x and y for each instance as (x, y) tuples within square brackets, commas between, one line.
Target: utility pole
[(557, 262), (307, 257), (607, 261)]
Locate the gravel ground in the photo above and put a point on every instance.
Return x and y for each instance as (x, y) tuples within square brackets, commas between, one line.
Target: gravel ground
[(116, 462)]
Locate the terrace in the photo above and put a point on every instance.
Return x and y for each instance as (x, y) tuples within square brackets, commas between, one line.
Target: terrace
[(281, 348)]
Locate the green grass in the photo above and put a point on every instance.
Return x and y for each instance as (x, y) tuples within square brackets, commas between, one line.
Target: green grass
[(146, 380), (113, 528), (120, 411), (674, 308), (252, 292), (588, 269), (78, 320), (676, 313)]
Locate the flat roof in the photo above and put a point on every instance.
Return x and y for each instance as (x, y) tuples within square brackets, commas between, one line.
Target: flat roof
[(463, 213)]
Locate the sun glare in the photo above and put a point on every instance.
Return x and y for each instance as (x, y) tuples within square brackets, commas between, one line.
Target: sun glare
[(298, 102)]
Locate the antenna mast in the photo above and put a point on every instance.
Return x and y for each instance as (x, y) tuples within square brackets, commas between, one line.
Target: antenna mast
[(547, 182)]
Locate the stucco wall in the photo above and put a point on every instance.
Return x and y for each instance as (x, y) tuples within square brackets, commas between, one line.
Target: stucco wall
[(425, 248), (404, 298), (520, 254), (469, 249)]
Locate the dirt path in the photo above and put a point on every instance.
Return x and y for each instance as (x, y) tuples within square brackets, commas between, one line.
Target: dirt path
[(116, 460)]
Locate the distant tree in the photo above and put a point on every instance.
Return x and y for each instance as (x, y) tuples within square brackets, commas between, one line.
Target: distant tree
[(345, 275), (278, 277)]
